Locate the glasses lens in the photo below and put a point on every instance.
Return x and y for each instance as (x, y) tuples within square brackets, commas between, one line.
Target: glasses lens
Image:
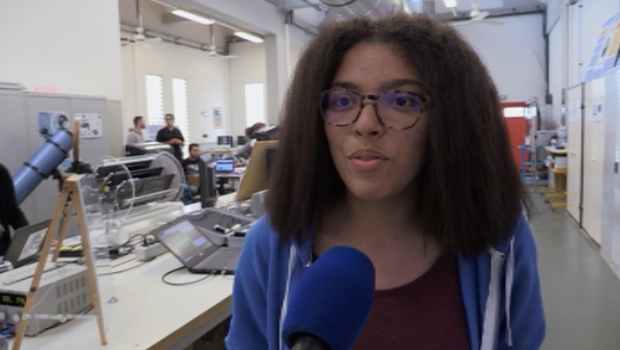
[(400, 109), (340, 107)]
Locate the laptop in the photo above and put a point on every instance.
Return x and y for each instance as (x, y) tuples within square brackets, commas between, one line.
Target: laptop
[(224, 166), (26, 244), (194, 248)]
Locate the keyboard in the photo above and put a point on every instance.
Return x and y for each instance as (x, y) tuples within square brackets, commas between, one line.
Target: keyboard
[(220, 259)]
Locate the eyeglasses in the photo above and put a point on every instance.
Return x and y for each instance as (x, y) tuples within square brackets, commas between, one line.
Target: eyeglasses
[(394, 109)]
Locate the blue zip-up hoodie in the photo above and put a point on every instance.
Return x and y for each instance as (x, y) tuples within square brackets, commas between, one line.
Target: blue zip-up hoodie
[(500, 290)]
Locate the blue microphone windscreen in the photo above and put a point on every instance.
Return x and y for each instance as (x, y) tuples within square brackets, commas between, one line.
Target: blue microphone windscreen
[(332, 299)]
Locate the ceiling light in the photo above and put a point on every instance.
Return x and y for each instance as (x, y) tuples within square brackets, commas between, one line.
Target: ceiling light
[(249, 37), (193, 17), (450, 3)]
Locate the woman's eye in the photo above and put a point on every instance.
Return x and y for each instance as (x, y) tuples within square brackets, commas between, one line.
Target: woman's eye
[(341, 101)]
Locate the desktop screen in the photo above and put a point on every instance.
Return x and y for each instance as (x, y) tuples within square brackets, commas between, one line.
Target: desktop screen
[(208, 186), (225, 140)]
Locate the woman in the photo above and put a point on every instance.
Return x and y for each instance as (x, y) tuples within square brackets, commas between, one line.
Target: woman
[(393, 143)]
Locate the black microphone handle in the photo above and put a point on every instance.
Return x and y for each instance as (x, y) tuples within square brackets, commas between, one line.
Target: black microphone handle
[(308, 342)]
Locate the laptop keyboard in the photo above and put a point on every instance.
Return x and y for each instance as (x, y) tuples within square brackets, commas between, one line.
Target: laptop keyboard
[(220, 259)]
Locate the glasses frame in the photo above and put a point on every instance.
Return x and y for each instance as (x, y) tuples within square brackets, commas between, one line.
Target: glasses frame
[(373, 98)]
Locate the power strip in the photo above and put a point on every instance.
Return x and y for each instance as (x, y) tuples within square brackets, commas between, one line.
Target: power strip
[(149, 252)]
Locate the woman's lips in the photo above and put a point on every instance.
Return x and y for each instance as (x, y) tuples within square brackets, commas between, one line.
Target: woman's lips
[(367, 159)]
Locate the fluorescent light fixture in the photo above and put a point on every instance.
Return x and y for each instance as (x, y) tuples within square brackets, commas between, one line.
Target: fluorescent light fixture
[(249, 37), (450, 3), (193, 17)]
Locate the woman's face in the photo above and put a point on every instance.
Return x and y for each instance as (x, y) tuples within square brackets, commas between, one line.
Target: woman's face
[(374, 161)]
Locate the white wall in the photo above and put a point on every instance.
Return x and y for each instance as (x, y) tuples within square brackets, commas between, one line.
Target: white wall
[(263, 18), (573, 31), (207, 85), (558, 63), (514, 53), (297, 43), (593, 14), (69, 44), (249, 67)]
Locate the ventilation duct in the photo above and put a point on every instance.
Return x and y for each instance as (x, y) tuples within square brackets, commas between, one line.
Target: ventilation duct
[(370, 8)]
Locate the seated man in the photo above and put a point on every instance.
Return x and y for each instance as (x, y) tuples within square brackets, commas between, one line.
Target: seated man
[(190, 167)]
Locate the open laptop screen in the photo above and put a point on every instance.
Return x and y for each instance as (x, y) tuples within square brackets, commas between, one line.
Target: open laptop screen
[(224, 166), (27, 244), (184, 240)]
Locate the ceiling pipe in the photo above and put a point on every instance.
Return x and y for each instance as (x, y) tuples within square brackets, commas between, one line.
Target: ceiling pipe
[(370, 8), (127, 28)]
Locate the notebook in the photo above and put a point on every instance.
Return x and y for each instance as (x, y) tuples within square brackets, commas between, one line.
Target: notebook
[(26, 244), (195, 249), (224, 166)]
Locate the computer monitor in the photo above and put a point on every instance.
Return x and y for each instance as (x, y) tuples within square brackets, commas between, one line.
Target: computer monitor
[(255, 177), (208, 184), (241, 140), (225, 140), (224, 165)]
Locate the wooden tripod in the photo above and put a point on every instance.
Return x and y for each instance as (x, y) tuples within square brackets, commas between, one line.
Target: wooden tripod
[(69, 196)]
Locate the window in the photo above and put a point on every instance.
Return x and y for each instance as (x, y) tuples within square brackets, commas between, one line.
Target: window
[(254, 103), (181, 119), (154, 104)]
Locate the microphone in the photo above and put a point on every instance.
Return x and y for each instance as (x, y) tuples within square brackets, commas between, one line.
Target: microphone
[(330, 304)]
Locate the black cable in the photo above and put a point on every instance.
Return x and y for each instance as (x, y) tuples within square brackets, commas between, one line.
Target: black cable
[(128, 242), (163, 278), (338, 5)]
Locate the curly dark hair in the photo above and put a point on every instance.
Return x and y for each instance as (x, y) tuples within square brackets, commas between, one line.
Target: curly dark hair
[(471, 192)]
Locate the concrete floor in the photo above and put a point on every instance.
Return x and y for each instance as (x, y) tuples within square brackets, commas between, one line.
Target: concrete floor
[(581, 293)]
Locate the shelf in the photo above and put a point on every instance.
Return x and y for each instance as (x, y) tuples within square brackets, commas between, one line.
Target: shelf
[(555, 151), (559, 170)]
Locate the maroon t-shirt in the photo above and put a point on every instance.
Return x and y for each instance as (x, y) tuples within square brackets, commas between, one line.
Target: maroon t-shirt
[(426, 314)]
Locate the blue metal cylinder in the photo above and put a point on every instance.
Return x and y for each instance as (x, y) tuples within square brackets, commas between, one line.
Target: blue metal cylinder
[(42, 164)]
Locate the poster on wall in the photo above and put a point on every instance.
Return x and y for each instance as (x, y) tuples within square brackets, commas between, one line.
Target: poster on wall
[(605, 50), (51, 122), (91, 125), (217, 118)]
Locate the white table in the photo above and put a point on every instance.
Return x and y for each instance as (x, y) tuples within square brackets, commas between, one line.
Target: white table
[(149, 314)]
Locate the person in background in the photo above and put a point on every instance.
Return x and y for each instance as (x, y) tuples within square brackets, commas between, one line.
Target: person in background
[(393, 143), (244, 152), (190, 164), (10, 213), (172, 136), (191, 168), (135, 133)]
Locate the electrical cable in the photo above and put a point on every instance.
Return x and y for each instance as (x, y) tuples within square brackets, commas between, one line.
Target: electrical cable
[(163, 278), (337, 5)]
